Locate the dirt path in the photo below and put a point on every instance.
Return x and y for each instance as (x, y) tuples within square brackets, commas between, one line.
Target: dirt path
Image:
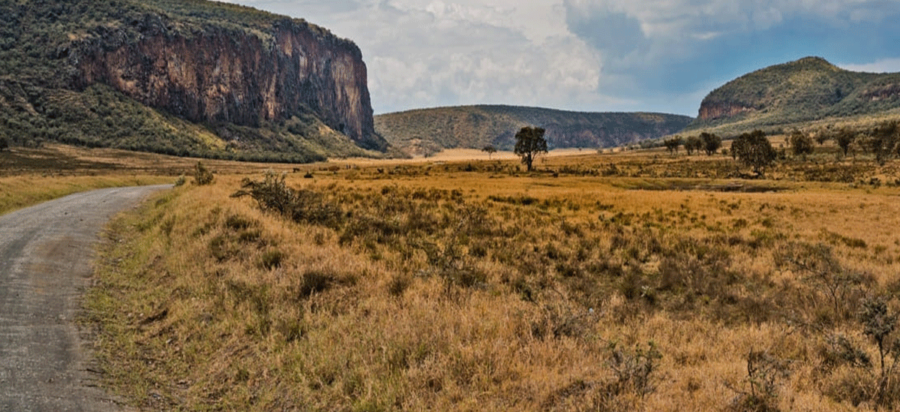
[(45, 265)]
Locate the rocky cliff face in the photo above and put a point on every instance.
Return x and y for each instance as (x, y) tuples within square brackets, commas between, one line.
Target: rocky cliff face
[(221, 75), (710, 110)]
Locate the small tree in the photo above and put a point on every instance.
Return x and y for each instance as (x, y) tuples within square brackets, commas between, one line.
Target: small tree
[(692, 144), (672, 143), (711, 142), (753, 149), (490, 150), (529, 144), (885, 140), (845, 137), (801, 143)]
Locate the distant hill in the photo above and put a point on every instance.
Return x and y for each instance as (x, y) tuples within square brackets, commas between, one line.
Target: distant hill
[(796, 94), (186, 77), (476, 126)]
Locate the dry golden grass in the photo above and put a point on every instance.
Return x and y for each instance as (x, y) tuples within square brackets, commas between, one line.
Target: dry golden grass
[(438, 288), (22, 191)]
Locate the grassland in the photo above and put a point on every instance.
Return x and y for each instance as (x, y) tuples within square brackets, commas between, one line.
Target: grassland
[(629, 281)]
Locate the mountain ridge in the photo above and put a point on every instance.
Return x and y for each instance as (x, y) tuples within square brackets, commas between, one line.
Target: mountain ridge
[(798, 93), (425, 130)]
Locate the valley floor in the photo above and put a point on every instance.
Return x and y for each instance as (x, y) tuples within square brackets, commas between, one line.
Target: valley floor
[(640, 280)]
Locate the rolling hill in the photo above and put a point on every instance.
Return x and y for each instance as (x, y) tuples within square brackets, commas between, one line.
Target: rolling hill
[(190, 77), (427, 130), (801, 93)]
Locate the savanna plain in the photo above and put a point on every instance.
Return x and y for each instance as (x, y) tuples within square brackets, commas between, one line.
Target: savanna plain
[(639, 280)]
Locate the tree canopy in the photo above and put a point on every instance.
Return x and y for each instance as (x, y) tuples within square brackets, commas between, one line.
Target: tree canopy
[(672, 143), (754, 149), (490, 149), (801, 143), (711, 142), (530, 143)]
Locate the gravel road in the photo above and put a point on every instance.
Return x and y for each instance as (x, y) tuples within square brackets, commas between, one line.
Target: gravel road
[(45, 265)]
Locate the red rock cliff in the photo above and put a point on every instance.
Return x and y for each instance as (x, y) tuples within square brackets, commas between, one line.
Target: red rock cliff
[(219, 75)]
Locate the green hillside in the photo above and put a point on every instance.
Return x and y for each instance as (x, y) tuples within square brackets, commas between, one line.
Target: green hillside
[(803, 93), (418, 131), (43, 96)]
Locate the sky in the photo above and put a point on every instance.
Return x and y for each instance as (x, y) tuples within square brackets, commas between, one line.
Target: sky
[(592, 55)]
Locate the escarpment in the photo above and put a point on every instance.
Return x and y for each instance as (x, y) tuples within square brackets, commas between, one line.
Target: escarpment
[(184, 77), (227, 76)]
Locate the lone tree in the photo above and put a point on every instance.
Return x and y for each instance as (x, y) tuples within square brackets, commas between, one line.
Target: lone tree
[(490, 150), (672, 143), (885, 140), (801, 143), (753, 149), (711, 142), (845, 137), (529, 144)]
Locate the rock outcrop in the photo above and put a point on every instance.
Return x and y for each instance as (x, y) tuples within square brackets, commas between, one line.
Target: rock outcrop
[(194, 77), (228, 76)]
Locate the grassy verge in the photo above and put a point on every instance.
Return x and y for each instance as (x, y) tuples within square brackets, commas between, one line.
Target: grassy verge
[(23, 191), (472, 287)]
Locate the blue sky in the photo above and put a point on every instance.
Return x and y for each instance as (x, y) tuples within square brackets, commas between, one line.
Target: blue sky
[(592, 55)]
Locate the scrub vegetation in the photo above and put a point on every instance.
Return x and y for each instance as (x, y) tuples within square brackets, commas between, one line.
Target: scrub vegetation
[(642, 280)]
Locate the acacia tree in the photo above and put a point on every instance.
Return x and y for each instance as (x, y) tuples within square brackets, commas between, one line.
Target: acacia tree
[(845, 138), (753, 149), (885, 140), (490, 149), (693, 143), (801, 143), (529, 144), (672, 143), (711, 142)]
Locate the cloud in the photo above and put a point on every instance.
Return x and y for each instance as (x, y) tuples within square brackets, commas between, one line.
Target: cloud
[(880, 66), (435, 53), (592, 55), (676, 48)]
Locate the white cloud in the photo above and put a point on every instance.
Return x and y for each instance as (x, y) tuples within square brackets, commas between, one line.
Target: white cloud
[(576, 54), (880, 66), (447, 52)]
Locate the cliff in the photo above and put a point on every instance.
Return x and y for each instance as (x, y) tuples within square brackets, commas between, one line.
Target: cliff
[(257, 81), (426, 130), (796, 94)]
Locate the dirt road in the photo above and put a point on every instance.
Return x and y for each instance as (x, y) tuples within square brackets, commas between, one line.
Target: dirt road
[(45, 265)]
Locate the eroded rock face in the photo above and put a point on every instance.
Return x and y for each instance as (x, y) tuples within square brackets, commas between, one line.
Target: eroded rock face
[(218, 75), (718, 110)]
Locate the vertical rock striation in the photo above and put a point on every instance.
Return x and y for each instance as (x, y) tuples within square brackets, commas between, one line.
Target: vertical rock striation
[(216, 74)]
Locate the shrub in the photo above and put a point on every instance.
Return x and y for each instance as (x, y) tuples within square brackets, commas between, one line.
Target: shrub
[(764, 372), (271, 259), (273, 194), (202, 175)]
